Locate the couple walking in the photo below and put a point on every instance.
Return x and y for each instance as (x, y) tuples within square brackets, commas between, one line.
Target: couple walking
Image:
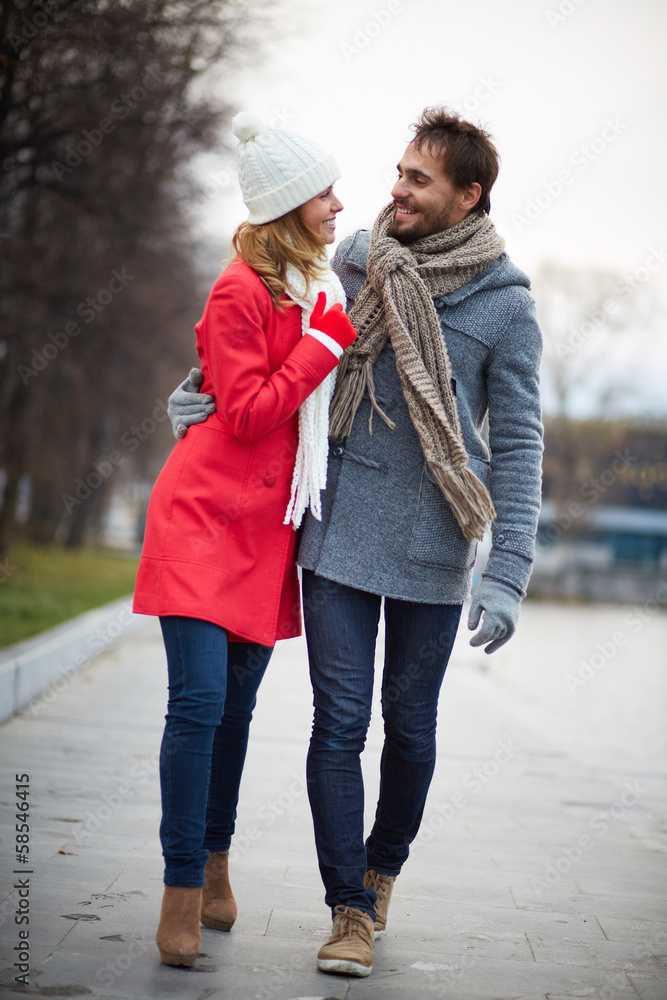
[(371, 448)]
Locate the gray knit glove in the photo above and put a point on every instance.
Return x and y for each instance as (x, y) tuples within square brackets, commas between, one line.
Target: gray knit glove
[(500, 604), (187, 405)]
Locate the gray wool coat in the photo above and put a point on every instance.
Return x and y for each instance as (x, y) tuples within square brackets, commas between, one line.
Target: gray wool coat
[(386, 528)]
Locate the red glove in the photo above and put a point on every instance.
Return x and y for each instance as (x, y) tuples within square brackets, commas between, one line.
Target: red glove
[(333, 322)]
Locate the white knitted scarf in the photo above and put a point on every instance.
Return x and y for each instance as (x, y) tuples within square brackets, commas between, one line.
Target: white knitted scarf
[(310, 468)]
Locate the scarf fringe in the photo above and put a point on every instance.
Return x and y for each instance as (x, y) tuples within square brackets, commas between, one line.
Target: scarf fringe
[(370, 385), (468, 497), (350, 389)]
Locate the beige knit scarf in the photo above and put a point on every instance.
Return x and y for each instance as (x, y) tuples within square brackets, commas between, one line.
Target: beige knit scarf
[(396, 303)]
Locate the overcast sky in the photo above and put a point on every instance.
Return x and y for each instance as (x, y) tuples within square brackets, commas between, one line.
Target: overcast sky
[(573, 92)]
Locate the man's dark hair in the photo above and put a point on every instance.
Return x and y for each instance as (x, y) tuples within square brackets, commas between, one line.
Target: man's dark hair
[(468, 155)]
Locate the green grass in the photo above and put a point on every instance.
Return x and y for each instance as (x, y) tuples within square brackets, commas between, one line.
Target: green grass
[(41, 587)]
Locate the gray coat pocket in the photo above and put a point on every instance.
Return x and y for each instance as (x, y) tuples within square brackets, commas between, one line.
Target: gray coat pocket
[(436, 538)]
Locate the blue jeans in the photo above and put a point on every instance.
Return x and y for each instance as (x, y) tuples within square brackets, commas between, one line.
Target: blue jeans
[(341, 630), (212, 693)]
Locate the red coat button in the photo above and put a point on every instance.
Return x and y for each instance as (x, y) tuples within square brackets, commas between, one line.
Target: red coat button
[(270, 481)]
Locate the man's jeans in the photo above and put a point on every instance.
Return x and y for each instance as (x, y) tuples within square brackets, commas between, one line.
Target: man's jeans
[(212, 693), (341, 630)]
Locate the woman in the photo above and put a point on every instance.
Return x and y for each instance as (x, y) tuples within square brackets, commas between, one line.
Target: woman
[(218, 563)]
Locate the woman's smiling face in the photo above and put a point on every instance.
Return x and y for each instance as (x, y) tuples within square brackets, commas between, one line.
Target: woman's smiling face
[(319, 214)]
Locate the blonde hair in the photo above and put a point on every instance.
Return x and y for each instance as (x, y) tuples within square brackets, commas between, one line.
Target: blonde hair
[(270, 247)]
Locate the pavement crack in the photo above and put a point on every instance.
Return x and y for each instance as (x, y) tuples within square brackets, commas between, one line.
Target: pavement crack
[(266, 929), (68, 931)]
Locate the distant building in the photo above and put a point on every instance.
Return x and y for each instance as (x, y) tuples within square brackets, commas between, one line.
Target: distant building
[(600, 552)]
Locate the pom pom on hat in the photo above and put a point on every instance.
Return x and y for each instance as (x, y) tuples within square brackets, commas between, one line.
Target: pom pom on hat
[(246, 125), (280, 170)]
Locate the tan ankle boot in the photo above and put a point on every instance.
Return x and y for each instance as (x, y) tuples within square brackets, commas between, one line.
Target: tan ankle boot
[(384, 886), (218, 904), (350, 948), (179, 934)]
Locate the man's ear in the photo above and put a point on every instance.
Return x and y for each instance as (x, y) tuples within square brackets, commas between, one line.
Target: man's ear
[(470, 195)]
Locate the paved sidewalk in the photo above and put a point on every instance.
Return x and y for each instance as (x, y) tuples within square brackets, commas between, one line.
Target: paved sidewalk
[(539, 871)]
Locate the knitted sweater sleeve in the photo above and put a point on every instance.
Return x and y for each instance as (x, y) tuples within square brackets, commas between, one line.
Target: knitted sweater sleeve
[(515, 439)]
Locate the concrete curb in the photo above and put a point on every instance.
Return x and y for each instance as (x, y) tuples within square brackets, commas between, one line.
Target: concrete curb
[(39, 668)]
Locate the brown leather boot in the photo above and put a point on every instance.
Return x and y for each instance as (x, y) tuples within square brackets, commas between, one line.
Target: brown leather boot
[(218, 908), (384, 886), (179, 934), (350, 948)]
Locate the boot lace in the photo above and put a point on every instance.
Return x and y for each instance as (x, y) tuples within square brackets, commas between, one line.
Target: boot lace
[(351, 922), (381, 883)]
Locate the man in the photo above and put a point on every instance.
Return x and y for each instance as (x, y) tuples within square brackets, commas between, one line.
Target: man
[(447, 338)]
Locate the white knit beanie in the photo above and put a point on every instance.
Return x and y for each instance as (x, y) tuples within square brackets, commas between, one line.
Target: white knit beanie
[(278, 170)]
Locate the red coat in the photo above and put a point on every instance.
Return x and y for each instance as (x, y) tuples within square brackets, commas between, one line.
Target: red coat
[(215, 546)]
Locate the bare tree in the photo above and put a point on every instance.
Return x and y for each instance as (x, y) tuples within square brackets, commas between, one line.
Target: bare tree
[(101, 111)]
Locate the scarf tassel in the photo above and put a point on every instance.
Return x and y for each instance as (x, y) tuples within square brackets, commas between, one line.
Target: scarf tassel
[(468, 497), (349, 393)]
